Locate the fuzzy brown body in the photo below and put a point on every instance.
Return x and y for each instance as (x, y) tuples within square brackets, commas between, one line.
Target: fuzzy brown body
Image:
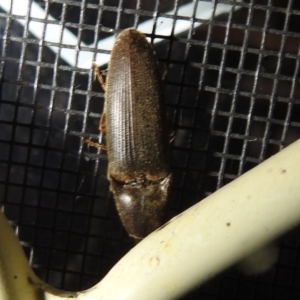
[(137, 139)]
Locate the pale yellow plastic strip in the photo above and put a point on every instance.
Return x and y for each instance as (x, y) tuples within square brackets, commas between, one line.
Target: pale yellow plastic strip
[(17, 280), (219, 231)]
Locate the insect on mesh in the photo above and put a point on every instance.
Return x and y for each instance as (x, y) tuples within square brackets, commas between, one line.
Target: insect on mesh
[(233, 97)]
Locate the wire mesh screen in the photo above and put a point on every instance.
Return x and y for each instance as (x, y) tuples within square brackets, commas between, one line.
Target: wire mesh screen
[(232, 91)]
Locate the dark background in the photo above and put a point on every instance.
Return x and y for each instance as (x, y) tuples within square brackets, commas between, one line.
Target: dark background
[(233, 98)]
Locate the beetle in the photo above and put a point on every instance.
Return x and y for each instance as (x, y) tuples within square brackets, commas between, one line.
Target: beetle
[(137, 137)]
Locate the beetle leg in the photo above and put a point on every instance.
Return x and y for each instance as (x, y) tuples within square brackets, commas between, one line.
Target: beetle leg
[(93, 144), (172, 136), (102, 123), (171, 130), (166, 71), (99, 76)]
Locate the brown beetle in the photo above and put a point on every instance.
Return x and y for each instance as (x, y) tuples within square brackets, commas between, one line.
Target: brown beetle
[(137, 138)]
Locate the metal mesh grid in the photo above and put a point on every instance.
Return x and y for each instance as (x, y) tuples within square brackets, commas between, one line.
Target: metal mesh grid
[(232, 92)]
